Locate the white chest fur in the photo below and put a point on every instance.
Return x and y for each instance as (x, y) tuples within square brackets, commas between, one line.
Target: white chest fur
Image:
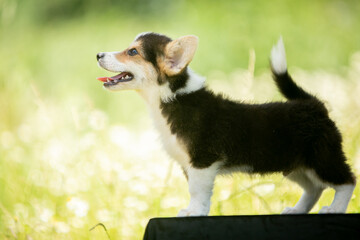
[(173, 146), (153, 94)]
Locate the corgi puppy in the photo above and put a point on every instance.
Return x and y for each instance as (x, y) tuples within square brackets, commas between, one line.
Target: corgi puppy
[(209, 134)]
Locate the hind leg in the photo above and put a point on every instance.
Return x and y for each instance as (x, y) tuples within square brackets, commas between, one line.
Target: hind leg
[(341, 200), (338, 176), (311, 195)]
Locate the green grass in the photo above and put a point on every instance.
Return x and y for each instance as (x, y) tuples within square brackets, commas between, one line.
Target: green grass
[(73, 155)]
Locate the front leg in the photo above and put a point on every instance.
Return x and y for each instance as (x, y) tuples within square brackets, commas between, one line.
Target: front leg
[(201, 182)]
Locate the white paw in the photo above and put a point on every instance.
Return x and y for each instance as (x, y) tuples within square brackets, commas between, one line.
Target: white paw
[(328, 209), (192, 212), (291, 210)]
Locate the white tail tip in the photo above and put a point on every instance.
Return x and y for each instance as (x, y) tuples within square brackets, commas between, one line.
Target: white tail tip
[(278, 58)]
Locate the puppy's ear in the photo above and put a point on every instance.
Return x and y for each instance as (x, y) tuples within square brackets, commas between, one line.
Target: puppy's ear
[(179, 53)]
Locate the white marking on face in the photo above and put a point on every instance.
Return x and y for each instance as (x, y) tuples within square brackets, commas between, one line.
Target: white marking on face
[(143, 72), (110, 63)]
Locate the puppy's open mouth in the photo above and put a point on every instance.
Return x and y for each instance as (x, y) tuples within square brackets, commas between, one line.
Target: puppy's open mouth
[(122, 77)]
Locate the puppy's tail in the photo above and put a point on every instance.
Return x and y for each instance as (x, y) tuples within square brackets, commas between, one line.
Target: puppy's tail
[(281, 76)]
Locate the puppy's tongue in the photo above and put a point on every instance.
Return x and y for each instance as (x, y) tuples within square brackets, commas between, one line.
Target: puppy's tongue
[(119, 76), (103, 79)]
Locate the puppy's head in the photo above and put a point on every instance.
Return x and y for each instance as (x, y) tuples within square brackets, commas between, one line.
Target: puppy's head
[(150, 60)]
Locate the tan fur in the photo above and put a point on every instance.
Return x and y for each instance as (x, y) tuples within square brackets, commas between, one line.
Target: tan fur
[(145, 80), (124, 57), (178, 54)]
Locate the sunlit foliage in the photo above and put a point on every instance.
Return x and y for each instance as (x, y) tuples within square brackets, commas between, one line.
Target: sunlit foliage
[(73, 155)]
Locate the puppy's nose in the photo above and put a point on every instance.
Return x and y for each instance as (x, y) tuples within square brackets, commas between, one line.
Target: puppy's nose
[(99, 55)]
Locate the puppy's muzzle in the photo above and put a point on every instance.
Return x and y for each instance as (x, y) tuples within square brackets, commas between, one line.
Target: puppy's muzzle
[(99, 56)]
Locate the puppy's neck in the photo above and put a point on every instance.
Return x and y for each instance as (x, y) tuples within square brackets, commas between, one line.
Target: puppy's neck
[(155, 94), (194, 83)]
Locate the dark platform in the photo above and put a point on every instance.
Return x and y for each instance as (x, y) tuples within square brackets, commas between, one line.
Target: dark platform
[(274, 227)]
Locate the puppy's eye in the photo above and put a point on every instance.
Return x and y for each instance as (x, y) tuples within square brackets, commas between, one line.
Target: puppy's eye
[(132, 52)]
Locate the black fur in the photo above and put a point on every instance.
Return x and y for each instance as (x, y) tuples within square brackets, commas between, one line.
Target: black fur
[(153, 46), (289, 88), (178, 81), (271, 137)]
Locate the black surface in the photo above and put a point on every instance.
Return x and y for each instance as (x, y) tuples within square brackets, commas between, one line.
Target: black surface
[(291, 227)]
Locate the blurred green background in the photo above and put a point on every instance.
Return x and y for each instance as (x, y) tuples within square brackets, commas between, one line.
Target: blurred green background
[(73, 155)]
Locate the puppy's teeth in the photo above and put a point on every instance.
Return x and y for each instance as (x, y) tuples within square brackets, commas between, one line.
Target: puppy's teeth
[(107, 80), (127, 77)]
